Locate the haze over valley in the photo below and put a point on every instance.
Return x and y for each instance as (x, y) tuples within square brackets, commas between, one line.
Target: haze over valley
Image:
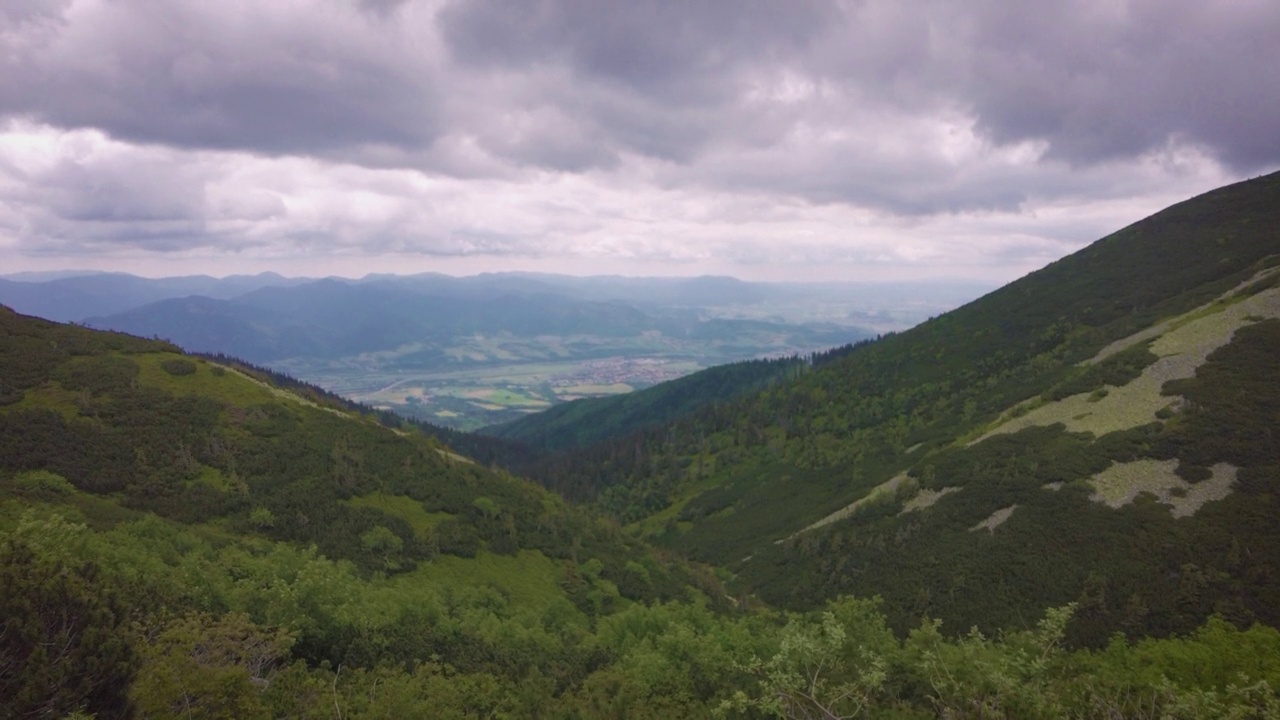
[(474, 351)]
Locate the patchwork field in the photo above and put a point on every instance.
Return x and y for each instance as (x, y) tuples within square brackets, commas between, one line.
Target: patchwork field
[(485, 380)]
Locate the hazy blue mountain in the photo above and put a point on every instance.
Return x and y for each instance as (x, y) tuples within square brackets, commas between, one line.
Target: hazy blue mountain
[(82, 296), (336, 318)]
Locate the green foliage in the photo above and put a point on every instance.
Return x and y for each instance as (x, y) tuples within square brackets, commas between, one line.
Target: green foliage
[(1116, 370), (1233, 402), (178, 366), (206, 666), (64, 647), (233, 628), (42, 485), (819, 671)]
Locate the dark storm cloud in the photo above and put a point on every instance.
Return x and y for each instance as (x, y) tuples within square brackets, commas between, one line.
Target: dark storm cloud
[(682, 51), (651, 77)]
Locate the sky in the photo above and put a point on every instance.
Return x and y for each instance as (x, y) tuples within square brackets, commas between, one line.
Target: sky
[(872, 140)]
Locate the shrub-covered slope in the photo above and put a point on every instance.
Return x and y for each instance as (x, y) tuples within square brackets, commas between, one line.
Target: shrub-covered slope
[(134, 426), (893, 424)]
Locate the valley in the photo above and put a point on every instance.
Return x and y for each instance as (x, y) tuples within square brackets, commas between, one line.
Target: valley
[(476, 351), (489, 380)]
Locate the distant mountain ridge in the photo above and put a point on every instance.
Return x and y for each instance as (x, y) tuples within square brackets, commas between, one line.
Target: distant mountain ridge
[(332, 318), (78, 297)]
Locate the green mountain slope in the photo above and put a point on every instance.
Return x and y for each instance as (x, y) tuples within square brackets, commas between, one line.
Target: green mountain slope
[(584, 422), (870, 440), (130, 427)]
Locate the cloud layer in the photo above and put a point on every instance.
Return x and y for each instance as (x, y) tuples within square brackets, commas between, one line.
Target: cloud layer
[(758, 137)]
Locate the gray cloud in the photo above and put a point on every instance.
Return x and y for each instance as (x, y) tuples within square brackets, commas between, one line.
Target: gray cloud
[(659, 129), (681, 51), (586, 81), (248, 76), (1085, 82), (1103, 80)]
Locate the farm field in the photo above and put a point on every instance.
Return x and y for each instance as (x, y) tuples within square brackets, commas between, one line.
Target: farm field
[(468, 393)]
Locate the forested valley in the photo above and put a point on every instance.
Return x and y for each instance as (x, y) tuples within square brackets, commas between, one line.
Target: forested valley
[(1056, 502)]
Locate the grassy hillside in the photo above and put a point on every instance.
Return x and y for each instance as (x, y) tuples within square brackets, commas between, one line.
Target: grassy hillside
[(737, 484)]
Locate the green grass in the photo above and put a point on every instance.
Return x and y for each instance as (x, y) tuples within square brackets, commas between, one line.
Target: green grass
[(405, 508), (214, 478), (509, 398), (588, 389), (528, 579), (229, 386), (48, 396), (1183, 347)]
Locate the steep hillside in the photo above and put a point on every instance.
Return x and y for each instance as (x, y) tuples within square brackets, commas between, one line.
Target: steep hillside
[(956, 464), (213, 500), (181, 539)]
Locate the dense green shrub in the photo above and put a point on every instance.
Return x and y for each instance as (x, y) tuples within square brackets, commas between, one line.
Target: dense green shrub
[(178, 366)]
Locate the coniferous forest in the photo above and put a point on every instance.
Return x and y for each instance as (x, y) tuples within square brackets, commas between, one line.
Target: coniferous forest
[(1058, 501)]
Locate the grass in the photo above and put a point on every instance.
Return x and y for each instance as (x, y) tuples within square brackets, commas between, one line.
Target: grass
[(995, 520), (589, 389), (1185, 343), (508, 398), (48, 396), (229, 386), (1121, 483), (405, 508), (529, 579), (881, 491), (925, 497)]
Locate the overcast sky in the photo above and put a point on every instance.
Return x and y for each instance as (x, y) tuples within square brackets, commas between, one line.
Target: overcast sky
[(796, 139)]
